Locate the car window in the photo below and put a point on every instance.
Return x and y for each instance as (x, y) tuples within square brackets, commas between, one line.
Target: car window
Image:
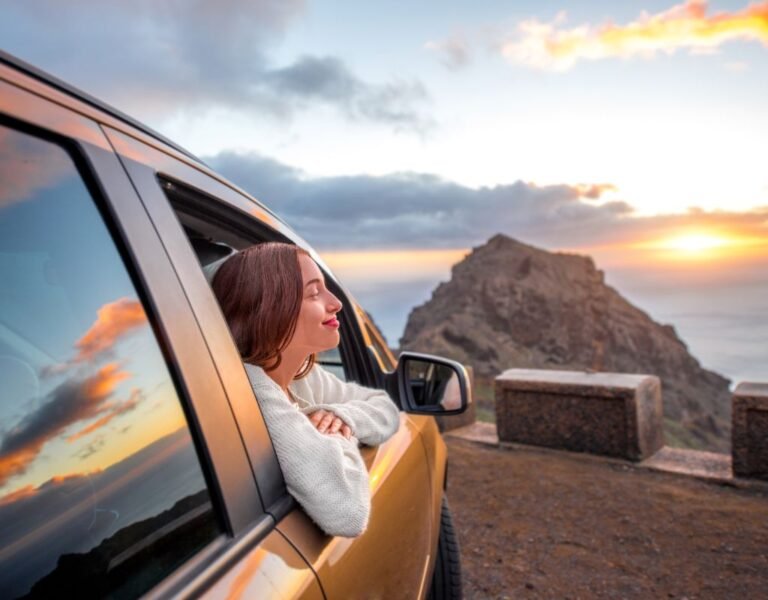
[(214, 241), (101, 488), (382, 350)]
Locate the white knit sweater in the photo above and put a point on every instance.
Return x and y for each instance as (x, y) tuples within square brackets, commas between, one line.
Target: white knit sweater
[(325, 472)]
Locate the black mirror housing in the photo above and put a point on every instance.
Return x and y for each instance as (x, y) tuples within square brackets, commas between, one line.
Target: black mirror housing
[(431, 385)]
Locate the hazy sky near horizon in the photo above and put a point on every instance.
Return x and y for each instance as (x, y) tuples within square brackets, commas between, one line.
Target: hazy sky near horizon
[(633, 132)]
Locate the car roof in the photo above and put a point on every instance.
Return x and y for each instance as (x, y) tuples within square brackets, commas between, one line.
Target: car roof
[(40, 75), (28, 70)]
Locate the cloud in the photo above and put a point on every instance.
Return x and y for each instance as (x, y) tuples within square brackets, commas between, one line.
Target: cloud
[(28, 165), (593, 191), (329, 81), (91, 448), (683, 27), (71, 402), (416, 210), (24, 492), (113, 321), (112, 412), (452, 52), (162, 59)]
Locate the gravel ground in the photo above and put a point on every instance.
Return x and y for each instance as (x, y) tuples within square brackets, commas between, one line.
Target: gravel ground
[(553, 525)]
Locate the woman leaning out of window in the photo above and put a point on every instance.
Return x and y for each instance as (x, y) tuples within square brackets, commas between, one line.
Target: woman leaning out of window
[(281, 314)]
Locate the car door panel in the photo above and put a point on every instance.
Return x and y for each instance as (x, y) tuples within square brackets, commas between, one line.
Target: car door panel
[(272, 570), (394, 551)]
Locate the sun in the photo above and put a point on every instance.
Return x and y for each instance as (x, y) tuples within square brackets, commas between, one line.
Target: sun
[(704, 246), (693, 243)]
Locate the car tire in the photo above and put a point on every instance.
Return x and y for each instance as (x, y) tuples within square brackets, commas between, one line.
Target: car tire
[(446, 578)]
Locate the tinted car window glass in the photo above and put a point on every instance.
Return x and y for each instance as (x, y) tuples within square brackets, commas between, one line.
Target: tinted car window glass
[(101, 489), (378, 344)]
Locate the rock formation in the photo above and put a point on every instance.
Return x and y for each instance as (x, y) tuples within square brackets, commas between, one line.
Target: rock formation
[(509, 305)]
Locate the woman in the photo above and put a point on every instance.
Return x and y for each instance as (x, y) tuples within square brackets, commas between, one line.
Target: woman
[(280, 312)]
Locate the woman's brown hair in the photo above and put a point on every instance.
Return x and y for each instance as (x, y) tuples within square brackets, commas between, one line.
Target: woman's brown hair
[(260, 291)]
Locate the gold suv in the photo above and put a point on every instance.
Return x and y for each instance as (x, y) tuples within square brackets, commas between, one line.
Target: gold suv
[(134, 459)]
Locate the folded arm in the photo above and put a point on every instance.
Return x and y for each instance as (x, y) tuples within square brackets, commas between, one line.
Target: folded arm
[(325, 473), (370, 413)]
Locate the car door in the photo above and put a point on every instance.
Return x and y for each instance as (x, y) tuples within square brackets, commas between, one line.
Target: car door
[(122, 470), (393, 556)]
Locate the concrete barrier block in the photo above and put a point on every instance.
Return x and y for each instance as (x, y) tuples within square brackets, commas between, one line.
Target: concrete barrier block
[(611, 414), (749, 434)]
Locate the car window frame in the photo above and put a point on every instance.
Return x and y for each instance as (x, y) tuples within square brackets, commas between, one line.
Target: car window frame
[(222, 456), (375, 340), (148, 166), (195, 204)]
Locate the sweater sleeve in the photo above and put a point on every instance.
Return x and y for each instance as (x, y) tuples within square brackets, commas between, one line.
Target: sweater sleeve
[(325, 473), (370, 413)]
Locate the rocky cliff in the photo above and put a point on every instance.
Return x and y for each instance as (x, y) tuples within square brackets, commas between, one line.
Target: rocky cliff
[(512, 305)]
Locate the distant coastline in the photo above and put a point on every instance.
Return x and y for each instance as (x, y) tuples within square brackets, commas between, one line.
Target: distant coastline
[(724, 325)]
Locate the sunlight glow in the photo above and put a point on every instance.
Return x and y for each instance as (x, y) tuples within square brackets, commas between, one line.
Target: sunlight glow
[(702, 246), (697, 242)]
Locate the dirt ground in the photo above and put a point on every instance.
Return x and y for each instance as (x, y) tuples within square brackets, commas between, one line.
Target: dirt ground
[(553, 525)]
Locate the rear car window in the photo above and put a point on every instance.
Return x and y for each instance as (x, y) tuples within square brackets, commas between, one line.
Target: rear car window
[(101, 488)]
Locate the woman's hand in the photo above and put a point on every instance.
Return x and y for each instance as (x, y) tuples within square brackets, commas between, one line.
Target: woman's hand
[(327, 422)]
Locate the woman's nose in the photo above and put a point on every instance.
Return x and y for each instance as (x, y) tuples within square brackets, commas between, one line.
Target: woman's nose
[(334, 304)]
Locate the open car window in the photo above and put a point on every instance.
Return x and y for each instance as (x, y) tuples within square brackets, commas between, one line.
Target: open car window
[(214, 240)]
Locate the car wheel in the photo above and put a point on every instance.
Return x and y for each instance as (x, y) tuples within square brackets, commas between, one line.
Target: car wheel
[(446, 579)]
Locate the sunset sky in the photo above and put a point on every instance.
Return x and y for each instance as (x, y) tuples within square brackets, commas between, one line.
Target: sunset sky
[(85, 385), (632, 132)]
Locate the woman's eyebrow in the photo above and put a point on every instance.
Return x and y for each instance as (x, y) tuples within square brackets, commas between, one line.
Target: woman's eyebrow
[(311, 281)]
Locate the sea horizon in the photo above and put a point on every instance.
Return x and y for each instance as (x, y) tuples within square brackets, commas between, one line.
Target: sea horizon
[(722, 323)]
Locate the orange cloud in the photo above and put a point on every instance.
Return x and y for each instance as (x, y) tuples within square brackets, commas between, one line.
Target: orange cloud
[(113, 321), (69, 403), (685, 26), (30, 490), (20, 494), (28, 165)]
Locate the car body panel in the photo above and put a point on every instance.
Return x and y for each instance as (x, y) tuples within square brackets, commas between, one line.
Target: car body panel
[(42, 112), (274, 569), (377, 564)]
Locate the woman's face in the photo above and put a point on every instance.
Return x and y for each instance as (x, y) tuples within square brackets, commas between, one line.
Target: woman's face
[(317, 328)]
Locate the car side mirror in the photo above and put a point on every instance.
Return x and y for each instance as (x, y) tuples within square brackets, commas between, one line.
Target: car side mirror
[(431, 385)]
